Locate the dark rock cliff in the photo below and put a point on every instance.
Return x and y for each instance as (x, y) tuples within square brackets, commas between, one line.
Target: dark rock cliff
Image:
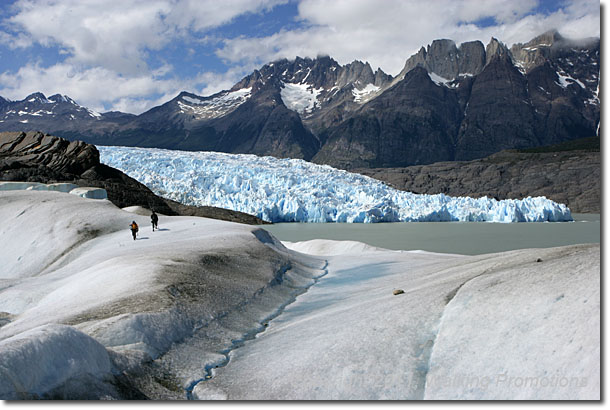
[(569, 176)]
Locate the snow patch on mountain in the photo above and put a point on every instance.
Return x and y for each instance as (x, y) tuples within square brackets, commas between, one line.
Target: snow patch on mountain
[(93, 114), (363, 95), (565, 80), (292, 190), (224, 103), (40, 100), (438, 80), (59, 98), (301, 98)]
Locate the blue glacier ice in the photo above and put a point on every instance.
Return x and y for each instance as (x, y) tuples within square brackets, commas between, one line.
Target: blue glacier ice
[(292, 190)]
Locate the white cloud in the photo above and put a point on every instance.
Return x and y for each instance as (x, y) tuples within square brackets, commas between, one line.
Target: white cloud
[(119, 34), (386, 33), (201, 15), (94, 87), (95, 33), (216, 82)]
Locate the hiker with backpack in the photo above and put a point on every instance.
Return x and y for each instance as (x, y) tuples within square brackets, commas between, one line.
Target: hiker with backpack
[(154, 219), (134, 229)]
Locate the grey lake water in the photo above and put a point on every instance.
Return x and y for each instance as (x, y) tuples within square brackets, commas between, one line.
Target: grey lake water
[(466, 238)]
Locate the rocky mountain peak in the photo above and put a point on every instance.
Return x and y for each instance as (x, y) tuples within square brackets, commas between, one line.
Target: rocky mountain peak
[(58, 98), (251, 81), (320, 72), (37, 97), (445, 60), (496, 49), (472, 58), (571, 59), (357, 73), (40, 98), (381, 78), (546, 39), (442, 59)]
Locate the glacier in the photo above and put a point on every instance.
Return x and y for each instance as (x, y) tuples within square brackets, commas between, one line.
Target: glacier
[(228, 311), (293, 190)]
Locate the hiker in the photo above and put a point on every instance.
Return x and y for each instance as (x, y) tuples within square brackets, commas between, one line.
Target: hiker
[(154, 219), (134, 229)]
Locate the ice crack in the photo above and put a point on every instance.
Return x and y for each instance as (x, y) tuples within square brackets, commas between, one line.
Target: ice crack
[(209, 369)]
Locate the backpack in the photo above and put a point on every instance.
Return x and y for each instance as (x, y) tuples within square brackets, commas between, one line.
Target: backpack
[(134, 227)]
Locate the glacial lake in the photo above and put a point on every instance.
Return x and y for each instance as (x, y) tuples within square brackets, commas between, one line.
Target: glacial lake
[(466, 238)]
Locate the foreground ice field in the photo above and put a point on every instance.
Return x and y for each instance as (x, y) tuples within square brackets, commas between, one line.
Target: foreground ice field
[(207, 309), (499, 326)]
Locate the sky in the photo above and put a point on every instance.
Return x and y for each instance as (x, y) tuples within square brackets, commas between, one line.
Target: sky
[(132, 55)]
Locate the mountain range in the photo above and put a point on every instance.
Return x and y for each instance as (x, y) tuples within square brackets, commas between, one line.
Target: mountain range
[(448, 103)]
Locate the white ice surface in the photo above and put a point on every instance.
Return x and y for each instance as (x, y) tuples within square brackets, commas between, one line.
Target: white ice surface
[(19, 185), (38, 360), (324, 247), (70, 260), (292, 190), (459, 318), (522, 334), (184, 293), (90, 192)]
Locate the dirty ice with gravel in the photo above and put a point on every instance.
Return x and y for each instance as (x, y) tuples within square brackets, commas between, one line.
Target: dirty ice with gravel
[(206, 309)]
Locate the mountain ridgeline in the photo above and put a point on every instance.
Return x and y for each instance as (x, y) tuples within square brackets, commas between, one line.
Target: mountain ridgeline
[(448, 103)]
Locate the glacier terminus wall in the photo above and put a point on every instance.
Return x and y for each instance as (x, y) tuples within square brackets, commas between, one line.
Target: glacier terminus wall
[(292, 190)]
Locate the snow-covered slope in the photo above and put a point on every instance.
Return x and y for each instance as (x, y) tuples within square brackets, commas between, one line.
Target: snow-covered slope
[(41, 359), (215, 106), (283, 190)]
